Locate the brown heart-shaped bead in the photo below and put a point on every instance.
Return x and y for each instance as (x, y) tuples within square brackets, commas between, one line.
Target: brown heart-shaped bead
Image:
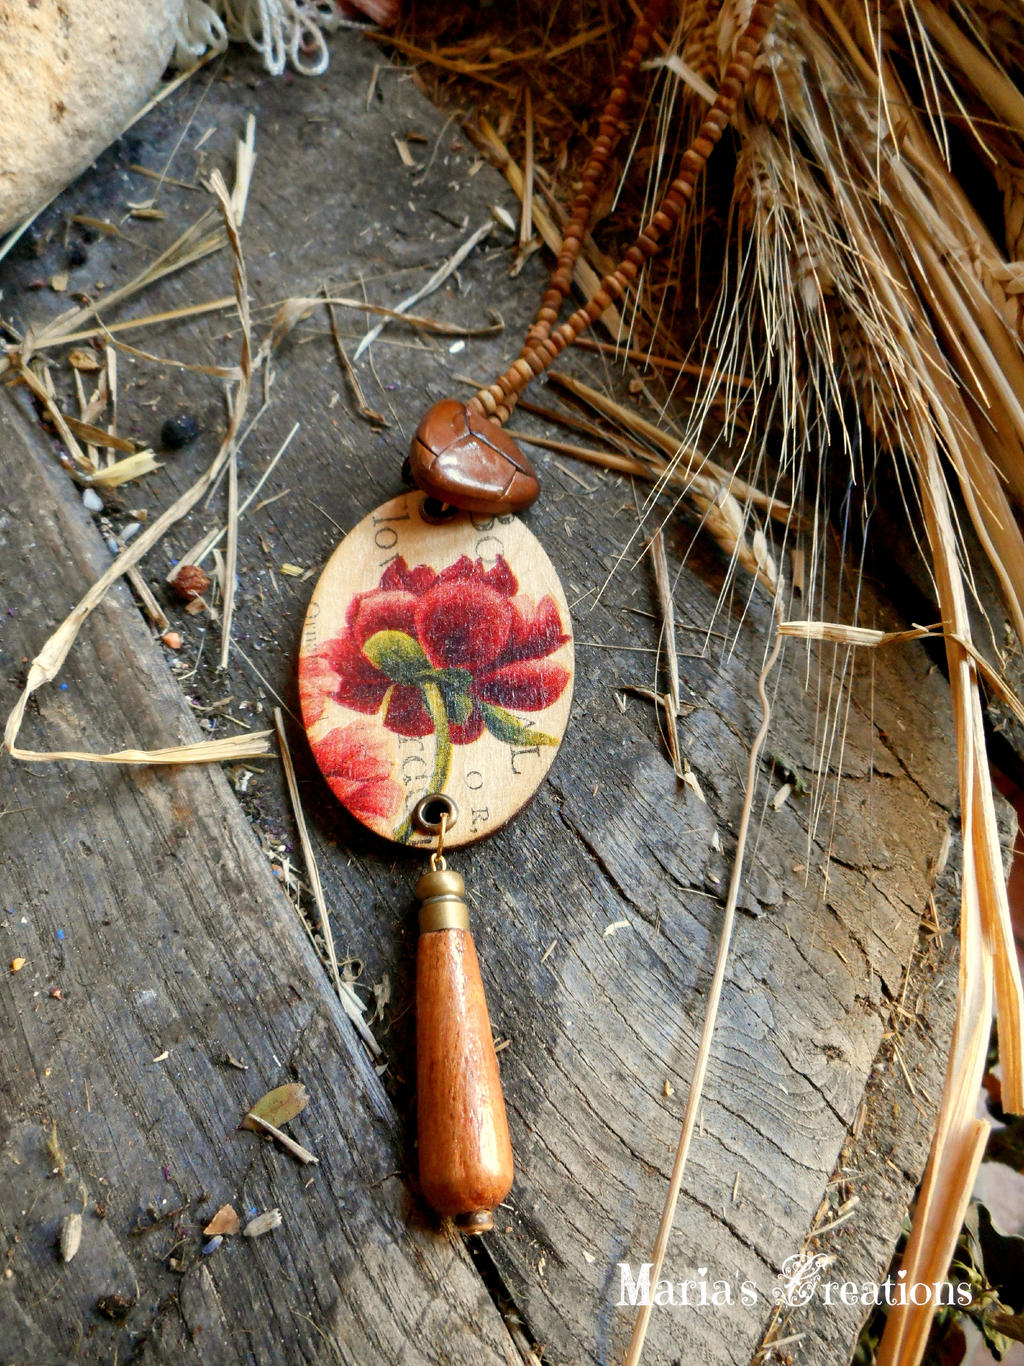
[(465, 460)]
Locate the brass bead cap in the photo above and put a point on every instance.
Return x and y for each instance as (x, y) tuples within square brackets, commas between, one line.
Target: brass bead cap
[(476, 1221), (440, 882)]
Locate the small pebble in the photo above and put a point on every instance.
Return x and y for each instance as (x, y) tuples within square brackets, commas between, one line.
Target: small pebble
[(92, 500), (172, 640), (213, 1244), (179, 431), (132, 529)]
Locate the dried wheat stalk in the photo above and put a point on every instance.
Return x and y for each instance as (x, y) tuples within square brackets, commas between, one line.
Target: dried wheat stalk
[(862, 282)]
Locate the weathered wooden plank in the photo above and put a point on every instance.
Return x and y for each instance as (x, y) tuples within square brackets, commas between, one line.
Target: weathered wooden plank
[(599, 1023), (143, 899)]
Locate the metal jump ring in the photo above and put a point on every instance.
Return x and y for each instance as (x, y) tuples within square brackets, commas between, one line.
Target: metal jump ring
[(439, 803)]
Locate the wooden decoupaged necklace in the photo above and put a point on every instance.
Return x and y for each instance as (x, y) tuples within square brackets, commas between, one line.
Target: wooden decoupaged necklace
[(436, 666)]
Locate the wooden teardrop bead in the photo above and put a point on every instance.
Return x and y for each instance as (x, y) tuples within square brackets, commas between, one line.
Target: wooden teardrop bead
[(461, 458), (464, 1149)]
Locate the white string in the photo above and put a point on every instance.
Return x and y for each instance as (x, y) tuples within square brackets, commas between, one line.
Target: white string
[(281, 31)]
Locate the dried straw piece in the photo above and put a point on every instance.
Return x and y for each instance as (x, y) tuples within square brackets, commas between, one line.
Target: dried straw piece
[(96, 436), (195, 243), (684, 459), (148, 320), (286, 1141), (198, 552), (349, 1000), (43, 391), (438, 278), (700, 1068), (48, 663), (122, 471), (585, 277), (348, 370)]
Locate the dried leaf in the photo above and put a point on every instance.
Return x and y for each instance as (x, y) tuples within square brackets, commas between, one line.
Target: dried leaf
[(83, 359), (225, 1221), (277, 1107)]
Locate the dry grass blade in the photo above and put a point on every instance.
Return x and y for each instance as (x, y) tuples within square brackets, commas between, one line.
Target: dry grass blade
[(44, 393), (198, 552), (438, 278), (585, 277), (349, 1000), (49, 661), (232, 207), (854, 635), (96, 436), (107, 330), (290, 312), (647, 357), (669, 701), (348, 370), (229, 749), (196, 242), (685, 462), (228, 372), (122, 471), (960, 1137), (693, 1099), (286, 1141)]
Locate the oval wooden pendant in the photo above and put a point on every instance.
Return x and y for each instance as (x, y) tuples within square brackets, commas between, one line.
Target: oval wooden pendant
[(436, 657)]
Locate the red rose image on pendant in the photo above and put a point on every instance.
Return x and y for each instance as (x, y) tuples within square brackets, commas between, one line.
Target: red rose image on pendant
[(444, 659)]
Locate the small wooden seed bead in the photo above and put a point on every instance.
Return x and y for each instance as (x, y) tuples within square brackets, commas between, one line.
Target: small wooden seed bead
[(717, 118), (543, 343)]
